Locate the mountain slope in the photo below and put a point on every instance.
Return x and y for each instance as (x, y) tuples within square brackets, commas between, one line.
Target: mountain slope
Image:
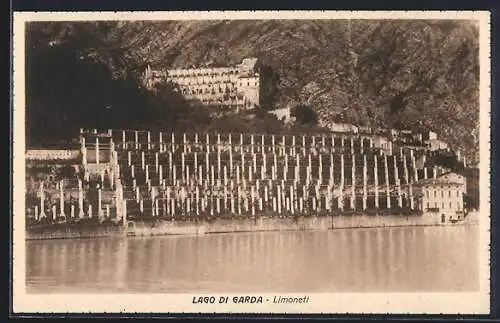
[(379, 73)]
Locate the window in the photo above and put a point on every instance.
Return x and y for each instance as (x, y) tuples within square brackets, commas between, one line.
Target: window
[(458, 193), (435, 193), (450, 205), (449, 194), (442, 205), (442, 193), (427, 204)]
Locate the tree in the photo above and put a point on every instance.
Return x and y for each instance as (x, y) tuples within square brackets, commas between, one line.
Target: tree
[(304, 114), (269, 91)]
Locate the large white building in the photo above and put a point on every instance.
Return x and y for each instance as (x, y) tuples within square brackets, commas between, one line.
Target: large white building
[(232, 87), (443, 196)]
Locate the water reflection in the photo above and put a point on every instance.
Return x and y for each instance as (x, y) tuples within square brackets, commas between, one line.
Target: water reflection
[(384, 259)]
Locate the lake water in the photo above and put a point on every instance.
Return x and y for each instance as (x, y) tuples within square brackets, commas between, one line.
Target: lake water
[(403, 259)]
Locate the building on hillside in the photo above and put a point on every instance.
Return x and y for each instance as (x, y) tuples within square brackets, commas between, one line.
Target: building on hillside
[(284, 114), (436, 144), (443, 196), (424, 136), (383, 143), (232, 87), (340, 127)]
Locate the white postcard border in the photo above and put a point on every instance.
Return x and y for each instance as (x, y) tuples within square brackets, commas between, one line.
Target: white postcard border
[(430, 303)]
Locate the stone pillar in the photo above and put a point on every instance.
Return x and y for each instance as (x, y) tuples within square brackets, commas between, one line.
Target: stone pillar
[(332, 178), (72, 210), (239, 200), (414, 165), (80, 200), (61, 199), (124, 211), (183, 166), (375, 173), (97, 157), (132, 171), (89, 212), (124, 140), (398, 183), (136, 139), (342, 171), (231, 160), (231, 199), (365, 182), (83, 150), (425, 172), (412, 205), (99, 201), (160, 173), (387, 186), (196, 201), (225, 175), (207, 166), (320, 169), (275, 162), (405, 168), (252, 200), (279, 198), (143, 160), (161, 141), (254, 157), (149, 140), (272, 144), (54, 214), (172, 142), (218, 165), (353, 180), (42, 201)]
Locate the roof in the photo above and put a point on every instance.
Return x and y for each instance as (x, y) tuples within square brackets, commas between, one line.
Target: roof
[(448, 178)]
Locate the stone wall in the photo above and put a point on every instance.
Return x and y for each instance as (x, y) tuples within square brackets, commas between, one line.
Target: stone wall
[(52, 154)]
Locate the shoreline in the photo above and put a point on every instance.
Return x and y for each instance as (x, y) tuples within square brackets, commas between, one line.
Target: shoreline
[(141, 228)]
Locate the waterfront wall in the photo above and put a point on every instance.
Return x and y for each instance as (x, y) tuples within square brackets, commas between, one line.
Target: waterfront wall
[(201, 227)]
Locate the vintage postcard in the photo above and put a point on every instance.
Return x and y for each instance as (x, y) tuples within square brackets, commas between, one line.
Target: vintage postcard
[(251, 162)]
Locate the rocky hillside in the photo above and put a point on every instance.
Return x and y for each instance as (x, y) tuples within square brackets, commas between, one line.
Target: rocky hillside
[(379, 73)]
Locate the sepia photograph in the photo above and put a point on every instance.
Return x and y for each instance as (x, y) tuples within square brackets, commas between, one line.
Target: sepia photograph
[(265, 162)]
